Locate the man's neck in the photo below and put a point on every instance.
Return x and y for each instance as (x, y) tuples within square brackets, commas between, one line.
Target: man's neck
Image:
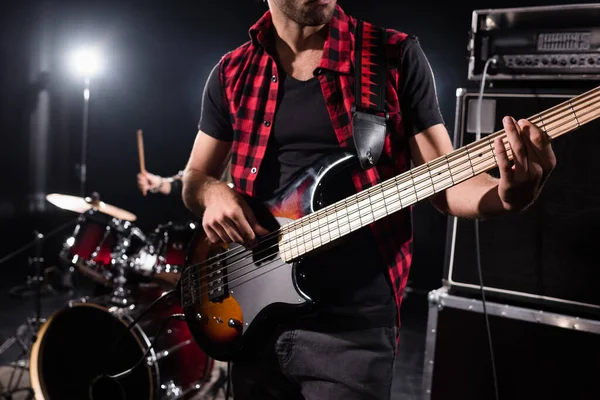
[(299, 48)]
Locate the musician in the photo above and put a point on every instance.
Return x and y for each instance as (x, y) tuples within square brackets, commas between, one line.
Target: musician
[(278, 103)]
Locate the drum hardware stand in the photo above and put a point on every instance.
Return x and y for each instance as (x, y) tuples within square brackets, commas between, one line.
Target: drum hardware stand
[(120, 295), (36, 280), (32, 325), (39, 278)]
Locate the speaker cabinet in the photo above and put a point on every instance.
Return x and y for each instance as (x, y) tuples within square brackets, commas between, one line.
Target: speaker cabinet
[(547, 253), (538, 355)]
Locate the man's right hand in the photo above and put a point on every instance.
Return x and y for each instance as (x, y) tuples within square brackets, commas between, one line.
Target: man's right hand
[(228, 218)]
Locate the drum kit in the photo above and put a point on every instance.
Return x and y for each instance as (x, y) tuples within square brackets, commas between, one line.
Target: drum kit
[(128, 340)]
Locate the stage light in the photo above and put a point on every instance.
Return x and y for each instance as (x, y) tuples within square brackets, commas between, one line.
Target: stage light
[(86, 62)]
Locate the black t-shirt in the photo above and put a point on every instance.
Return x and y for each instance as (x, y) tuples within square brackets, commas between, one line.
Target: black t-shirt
[(350, 279)]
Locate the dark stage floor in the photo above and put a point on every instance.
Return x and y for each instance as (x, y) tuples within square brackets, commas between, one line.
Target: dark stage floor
[(409, 364)]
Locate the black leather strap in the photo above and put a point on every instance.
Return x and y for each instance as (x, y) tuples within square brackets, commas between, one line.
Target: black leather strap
[(369, 125)]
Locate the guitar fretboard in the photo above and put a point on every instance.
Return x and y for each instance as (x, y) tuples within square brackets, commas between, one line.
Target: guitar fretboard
[(348, 215)]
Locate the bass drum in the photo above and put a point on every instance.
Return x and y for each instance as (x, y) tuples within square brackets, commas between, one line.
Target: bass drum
[(80, 344)]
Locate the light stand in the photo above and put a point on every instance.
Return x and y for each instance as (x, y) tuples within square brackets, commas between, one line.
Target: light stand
[(85, 63), (84, 137)]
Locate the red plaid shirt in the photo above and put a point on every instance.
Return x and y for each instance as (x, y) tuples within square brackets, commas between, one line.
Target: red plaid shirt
[(250, 81)]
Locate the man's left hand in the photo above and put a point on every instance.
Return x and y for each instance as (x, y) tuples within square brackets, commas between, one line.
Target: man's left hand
[(533, 160)]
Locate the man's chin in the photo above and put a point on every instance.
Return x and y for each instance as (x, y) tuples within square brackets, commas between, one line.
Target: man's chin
[(317, 17)]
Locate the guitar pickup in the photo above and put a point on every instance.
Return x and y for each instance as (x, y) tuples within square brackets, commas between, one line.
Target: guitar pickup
[(217, 286)]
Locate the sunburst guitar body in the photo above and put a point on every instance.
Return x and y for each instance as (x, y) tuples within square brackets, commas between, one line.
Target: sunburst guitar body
[(232, 296)]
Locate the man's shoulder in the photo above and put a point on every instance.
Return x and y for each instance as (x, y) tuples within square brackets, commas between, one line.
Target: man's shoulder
[(397, 41), (396, 37), (238, 54)]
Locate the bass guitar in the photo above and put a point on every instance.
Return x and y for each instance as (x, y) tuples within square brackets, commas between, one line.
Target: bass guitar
[(233, 296)]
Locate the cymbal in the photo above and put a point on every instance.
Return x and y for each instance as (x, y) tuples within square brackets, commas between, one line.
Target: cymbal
[(81, 205)]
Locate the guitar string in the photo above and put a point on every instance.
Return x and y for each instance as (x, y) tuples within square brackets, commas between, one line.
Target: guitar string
[(229, 284), (556, 110), (583, 115), (263, 267), (459, 154), (462, 155), (445, 162), (385, 205)]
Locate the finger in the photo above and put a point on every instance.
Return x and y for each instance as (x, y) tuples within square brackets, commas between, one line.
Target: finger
[(211, 234), (245, 229), (533, 162), (516, 144), (540, 145), (231, 228), (222, 233), (504, 166)]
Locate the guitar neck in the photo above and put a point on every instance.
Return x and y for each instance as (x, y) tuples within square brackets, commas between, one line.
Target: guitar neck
[(348, 215)]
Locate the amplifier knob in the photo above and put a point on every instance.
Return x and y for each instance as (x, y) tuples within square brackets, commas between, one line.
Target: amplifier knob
[(590, 61), (545, 61), (573, 60), (563, 62), (554, 61)]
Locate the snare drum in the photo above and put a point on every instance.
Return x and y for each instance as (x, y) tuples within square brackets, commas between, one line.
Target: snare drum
[(80, 343), (98, 241)]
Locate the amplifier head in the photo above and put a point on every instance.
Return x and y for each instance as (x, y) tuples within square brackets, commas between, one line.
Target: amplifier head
[(536, 43)]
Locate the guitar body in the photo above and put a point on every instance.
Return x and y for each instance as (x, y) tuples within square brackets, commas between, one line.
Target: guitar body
[(233, 297)]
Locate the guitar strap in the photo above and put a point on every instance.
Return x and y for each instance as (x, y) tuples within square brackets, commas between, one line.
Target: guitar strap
[(369, 126)]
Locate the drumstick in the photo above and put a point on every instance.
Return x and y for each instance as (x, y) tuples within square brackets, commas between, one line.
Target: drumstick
[(140, 144)]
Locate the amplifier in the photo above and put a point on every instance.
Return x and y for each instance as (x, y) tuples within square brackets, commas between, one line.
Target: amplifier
[(538, 355), (546, 254), (536, 43)]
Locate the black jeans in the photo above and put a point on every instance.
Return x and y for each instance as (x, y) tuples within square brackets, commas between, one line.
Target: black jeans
[(310, 365)]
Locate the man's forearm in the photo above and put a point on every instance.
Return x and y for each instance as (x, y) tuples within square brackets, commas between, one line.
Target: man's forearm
[(195, 187), (475, 198)]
